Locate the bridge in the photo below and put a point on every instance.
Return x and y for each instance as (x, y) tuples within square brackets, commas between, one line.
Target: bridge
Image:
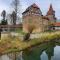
[(7, 27), (11, 26)]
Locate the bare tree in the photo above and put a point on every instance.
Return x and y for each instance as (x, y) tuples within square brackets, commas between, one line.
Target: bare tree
[(13, 17), (3, 14), (31, 27), (15, 5), (30, 30)]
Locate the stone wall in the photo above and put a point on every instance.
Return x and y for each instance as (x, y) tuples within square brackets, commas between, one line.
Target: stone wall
[(35, 20)]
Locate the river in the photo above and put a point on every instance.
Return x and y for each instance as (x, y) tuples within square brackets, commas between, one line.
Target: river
[(44, 51)]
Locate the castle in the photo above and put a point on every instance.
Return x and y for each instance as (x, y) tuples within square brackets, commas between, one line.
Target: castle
[(32, 16)]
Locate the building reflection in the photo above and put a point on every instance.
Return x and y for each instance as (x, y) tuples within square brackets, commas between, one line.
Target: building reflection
[(50, 50), (46, 50), (35, 53)]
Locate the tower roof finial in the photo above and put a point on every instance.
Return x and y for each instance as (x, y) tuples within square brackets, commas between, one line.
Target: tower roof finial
[(50, 11), (51, 8)]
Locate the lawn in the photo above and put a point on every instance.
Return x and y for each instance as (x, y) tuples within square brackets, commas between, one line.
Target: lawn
[(19, 30)]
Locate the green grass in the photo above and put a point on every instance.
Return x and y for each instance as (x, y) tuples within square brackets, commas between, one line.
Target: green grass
[(10, 44), (19, 30)]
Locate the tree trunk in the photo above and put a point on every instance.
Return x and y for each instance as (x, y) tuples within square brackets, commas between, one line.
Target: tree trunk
[(27, 36)]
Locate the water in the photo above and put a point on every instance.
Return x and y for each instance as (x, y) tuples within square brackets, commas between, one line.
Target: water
[(44, 51)]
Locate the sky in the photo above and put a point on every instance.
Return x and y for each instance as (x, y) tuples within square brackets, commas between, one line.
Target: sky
[(42, 4)]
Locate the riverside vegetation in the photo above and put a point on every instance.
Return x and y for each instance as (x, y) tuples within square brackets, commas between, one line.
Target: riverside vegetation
[(13, 44)]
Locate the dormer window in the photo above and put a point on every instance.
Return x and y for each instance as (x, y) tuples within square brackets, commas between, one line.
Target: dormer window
[(32, 9)]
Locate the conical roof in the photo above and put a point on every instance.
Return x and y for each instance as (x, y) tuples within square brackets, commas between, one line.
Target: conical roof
[(50, 11)]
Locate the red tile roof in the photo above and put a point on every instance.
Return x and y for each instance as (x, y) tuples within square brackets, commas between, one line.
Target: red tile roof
[(44, 17), (57, 24)]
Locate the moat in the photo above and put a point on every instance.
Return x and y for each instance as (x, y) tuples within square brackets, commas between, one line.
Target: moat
[(44, 51)]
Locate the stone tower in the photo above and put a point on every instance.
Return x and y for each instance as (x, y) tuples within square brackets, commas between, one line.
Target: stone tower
[(32, 16), (51, 14)]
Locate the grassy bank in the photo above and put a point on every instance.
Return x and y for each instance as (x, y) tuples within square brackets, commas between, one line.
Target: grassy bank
[(12, 44)]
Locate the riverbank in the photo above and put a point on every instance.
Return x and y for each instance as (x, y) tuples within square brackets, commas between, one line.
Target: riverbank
[(13, 44)]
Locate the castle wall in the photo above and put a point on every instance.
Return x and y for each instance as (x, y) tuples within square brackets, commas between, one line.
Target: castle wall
[(32, 17), (35, 21), (51, 18)]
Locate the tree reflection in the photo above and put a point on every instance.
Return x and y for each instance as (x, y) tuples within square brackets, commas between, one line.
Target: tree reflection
[(50, 50), (36, 52), (45, 50)]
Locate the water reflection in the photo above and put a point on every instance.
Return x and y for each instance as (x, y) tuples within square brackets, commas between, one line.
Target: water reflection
[(45, 51), (56, 53), (42, 52), (44, 56)]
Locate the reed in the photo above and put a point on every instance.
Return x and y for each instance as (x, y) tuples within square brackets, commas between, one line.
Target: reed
[(15, 44)]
